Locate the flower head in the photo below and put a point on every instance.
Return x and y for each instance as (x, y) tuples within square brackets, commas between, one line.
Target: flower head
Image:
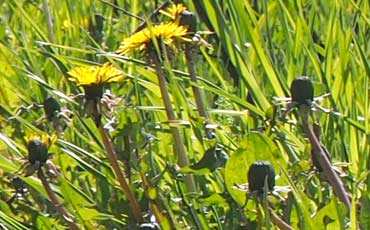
[(95, 75), (38, 147), (93, 78), (174, 12), (259, 173), (181, 16), (168, 33)]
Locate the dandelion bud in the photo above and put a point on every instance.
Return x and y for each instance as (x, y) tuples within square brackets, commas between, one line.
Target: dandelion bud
[(257, 174), (51, 107), (189, 19), (37, 151), (301, 91)]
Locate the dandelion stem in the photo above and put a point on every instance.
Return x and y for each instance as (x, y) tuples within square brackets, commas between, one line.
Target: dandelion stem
[(324, 162), (189, 54), (179, 146), (276, 220), (121, 179), (54, 199)]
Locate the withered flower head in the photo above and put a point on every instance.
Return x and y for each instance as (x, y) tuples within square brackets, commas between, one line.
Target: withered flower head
[(259, 172), (51, 107), (301, 91)]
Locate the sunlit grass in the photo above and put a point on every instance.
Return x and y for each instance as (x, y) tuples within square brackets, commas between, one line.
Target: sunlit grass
[(257, 51)]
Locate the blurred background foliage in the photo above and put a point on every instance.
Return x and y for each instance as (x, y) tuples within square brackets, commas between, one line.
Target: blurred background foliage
[(258, 48)]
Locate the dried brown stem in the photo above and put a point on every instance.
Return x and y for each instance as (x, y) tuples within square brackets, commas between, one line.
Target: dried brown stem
[(54, 199), (324, 162), (121, 179)]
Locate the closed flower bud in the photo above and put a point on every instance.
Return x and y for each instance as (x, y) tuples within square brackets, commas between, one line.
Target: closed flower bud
[(51, 107), (189, 19), (259, 172), (38, 148), (37, 151), (301, 91)]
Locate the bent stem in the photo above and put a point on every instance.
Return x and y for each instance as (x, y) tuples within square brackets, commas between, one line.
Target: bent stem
[(324, 162), (54, 199), (179, 146), (121, 179), (276, 220)]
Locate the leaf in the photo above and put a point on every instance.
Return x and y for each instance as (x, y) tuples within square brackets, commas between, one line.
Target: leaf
[(329, 217), (365, 213), (212, 159), (254, 147)]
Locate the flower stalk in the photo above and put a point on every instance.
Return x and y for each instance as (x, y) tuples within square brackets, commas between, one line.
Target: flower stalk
[(54, 199), (121, 179), (179, 146), (189, 54), (323, 160)]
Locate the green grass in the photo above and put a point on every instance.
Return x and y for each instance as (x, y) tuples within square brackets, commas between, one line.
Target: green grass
[(257, 52)]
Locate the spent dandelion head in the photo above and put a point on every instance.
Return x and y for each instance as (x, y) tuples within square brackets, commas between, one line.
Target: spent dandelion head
[(169, 33)]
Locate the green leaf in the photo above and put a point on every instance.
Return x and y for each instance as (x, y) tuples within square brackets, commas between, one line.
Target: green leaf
[(255, 146), (214, 157), (365, 213)]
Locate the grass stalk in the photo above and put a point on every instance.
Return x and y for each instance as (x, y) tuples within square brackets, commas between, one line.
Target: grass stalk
[(54, 199), (324, 162), (121, 179), (49, 20), (179, 147)]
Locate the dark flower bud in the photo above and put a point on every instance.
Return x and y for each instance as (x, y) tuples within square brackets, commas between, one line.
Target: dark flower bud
[(51, 107), (37, 151), (19, 185), (257, 174), (301, 91), (189, 19)]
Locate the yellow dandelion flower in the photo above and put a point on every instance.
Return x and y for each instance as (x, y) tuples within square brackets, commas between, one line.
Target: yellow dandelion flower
[(174, 11), (168, 32), (95, 75)]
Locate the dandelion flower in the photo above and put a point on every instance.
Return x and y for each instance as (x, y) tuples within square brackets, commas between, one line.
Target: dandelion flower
[(168, 32), (174, 12), (95, 75), (93, 78)]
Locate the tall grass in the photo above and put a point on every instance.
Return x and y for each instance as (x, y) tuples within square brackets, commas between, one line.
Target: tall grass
[(258, 48)]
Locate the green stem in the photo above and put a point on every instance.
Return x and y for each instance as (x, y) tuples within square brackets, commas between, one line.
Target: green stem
[(54, 199), (324, 162), (179, 146), (121, 179), (189, 54)]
